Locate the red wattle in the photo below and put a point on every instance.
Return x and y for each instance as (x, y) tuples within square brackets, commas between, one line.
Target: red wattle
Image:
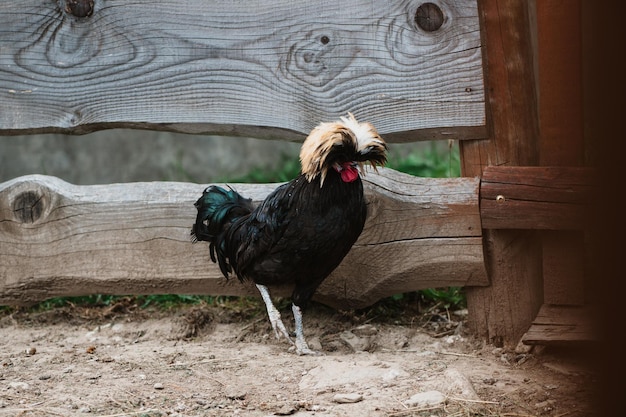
[(349, 174)]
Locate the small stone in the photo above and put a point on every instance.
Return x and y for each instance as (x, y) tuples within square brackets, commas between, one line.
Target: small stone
[(236, 395), (19, 386), (358, 344), (315, 344), (347, 398), (546, 405), (459, 384), (426, 399), (31, 351), (489, 381), (365, 330), (286, 410), (158, 385), (522, 348)]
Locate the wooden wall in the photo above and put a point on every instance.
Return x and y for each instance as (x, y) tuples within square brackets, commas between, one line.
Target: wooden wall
[(264, 69), (256, 68), (502, 76)]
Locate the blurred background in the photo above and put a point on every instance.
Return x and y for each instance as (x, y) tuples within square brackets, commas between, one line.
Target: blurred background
[(125, 155)]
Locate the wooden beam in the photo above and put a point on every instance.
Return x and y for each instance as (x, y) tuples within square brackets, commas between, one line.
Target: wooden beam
[(560, 66), (559, 325), (256, 68), (549, 198), (59, 239)]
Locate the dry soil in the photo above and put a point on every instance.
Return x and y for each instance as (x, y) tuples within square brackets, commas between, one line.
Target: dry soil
[(223, 360)]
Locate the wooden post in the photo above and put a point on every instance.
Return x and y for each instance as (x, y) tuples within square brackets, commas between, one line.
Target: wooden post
[(502, 312), (559, 51)]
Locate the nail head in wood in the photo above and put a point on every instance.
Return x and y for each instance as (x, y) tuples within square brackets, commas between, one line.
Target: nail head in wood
[(500, 199), (429, 17), (79, 8)]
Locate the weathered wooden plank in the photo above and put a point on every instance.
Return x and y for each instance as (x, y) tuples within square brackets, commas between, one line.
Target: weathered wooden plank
[(546, 334), (254, 68), (562, 141), (557, 325), (59, 239), (502, 312), (536, 197), (565, 267)]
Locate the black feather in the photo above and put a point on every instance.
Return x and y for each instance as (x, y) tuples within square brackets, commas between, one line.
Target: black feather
[(217, 210)]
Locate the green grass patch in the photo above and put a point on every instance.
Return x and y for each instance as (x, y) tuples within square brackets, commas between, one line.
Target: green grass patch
[(432, 162)]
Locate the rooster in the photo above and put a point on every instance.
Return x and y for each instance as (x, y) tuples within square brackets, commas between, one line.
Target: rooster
[(302, 231)]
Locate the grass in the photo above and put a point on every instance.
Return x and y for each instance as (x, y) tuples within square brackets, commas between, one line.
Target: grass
[(161, 301), (433, 162)]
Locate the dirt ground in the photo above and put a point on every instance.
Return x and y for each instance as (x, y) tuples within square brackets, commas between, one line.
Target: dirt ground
[(223, 360)]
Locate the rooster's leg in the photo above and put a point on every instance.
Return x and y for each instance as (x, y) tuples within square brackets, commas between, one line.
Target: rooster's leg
[(302, 348), (274, 314)]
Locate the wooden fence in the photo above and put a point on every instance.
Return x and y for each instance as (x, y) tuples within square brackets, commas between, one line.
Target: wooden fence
[(444, 69)]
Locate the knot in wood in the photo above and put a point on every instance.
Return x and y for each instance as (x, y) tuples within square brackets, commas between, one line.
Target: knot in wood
[(28, 206), (429, 17), (79, 8)]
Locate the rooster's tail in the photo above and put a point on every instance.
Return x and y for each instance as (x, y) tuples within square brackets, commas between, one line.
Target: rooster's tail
[(218, 209)]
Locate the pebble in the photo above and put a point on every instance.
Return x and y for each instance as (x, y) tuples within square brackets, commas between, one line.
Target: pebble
[(158, 385), (358, 344), (522, 348), (347, 398), (365, 330), (547, 405), (426, 399), (20, 386), (286, 410), (236, 394)]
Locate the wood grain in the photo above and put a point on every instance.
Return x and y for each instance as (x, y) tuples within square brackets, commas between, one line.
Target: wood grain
[(558, 325), (548, 198), (562, 127), (502, 312), (59, 239), (255, 68)]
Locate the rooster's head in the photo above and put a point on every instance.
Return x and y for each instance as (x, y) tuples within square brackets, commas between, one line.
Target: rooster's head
[(342, 146)]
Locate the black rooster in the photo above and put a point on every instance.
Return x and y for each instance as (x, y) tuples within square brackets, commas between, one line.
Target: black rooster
[(302, 231)]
